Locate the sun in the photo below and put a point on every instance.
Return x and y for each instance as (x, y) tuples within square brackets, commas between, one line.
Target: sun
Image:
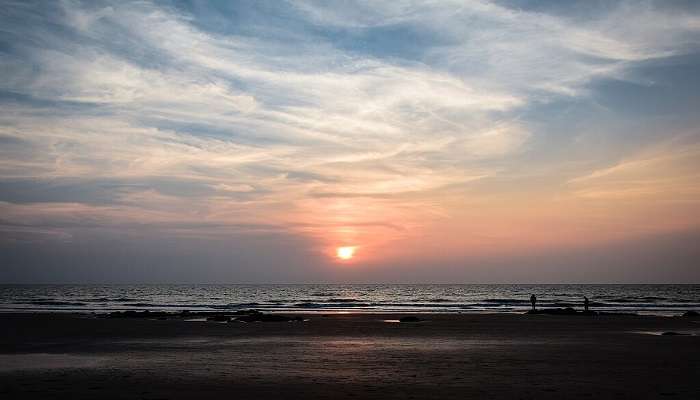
[(345, 252)]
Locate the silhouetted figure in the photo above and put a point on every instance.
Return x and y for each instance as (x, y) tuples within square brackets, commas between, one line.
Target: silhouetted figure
[(585, 303), (533, 300)]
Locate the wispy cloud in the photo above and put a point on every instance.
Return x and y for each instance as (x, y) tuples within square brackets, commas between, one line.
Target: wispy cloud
[(666, 172), (287, 125)]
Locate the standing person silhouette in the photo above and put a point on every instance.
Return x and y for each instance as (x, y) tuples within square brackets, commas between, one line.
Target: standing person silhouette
[(533, 300), (585, 303)]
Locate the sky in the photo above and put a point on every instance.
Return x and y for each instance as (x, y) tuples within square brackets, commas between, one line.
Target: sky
[(440, 141)]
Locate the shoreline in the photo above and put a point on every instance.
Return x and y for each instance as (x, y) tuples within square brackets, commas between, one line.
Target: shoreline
[(680, 312)]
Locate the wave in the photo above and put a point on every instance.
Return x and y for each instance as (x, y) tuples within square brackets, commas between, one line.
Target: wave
[(108, 300), (423, 305), (168, 305), (330, 305), (429, 300), (624, 300), (647, 305), (563, 304), (53, 303), (506, 301), (334, 300), (97, 300), (642, 299), (236, 305), (343, 300)]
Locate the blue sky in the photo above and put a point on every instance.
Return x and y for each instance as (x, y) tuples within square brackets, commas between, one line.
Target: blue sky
[(446, 140)]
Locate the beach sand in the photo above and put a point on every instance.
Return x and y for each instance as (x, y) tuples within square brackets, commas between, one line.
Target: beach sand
[(350, 356)]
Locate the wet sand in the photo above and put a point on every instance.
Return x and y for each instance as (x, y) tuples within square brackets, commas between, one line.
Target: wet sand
[(350, 356)]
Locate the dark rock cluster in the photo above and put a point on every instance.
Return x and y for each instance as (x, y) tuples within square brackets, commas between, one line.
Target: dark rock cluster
[(260, 317)]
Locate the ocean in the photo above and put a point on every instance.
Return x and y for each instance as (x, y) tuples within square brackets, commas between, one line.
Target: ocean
[(476, 298)]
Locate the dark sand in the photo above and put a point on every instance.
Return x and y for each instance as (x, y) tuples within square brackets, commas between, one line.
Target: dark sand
[(358, 356)]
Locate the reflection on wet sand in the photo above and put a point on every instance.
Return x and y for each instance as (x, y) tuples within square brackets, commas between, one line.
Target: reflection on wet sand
[(19, 362)]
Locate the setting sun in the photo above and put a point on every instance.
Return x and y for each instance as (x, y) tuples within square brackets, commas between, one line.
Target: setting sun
[(346, 252)]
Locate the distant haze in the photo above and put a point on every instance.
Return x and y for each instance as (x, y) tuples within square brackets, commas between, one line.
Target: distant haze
[(343, 141)]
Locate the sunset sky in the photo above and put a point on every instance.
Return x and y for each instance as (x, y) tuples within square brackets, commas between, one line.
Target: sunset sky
[(434, 141)]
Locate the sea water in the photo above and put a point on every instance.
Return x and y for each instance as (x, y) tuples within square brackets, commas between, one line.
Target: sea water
[(470, 298)]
